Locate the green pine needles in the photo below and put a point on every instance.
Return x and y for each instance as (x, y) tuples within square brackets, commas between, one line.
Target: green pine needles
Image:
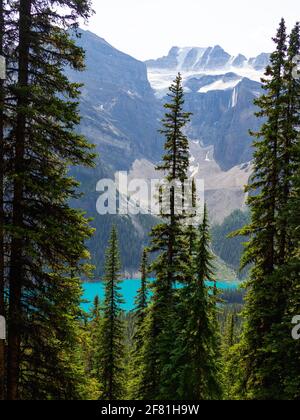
[(112, 351), (180, 356), (268, 352)]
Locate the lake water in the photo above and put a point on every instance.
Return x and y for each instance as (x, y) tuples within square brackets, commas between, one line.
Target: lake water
[(129, 288)]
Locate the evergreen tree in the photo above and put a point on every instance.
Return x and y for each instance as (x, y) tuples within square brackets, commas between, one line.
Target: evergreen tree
[(46, 237), (198, 377), (290, 348), (288, 142), (191, 231), (52, 367), (286, 349), (139, 338), (95, 329), (169, 241), (141, 302), (262, 353), (228, 355), (111, 346)]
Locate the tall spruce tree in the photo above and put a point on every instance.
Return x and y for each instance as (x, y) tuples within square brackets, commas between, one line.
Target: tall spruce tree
[(95, 330), (269, 246), (169, 241), (197, 346), (141, 302), (111, 346), (286, 349), (139, 337), (46, 237), (290, 348), (288, 140)]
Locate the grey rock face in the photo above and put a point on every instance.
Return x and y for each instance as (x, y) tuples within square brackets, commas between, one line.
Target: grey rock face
[(118, 107), (213, 58), (222, 118), (167, 62), (239, 61), (260, 62)]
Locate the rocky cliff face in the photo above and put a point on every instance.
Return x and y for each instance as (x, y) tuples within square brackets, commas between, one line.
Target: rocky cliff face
[(223, 112), (118, 106)]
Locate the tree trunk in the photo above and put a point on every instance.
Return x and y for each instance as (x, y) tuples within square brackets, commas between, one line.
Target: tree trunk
[(16, 265)]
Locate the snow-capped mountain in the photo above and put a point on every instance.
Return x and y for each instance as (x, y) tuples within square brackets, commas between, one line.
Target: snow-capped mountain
[(203, 59), (195, 62), (220, 90)]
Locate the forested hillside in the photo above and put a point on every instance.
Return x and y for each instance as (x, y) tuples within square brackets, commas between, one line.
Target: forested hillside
[(230, 249)]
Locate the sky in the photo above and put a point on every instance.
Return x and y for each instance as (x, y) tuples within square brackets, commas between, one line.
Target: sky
[(149, 28)]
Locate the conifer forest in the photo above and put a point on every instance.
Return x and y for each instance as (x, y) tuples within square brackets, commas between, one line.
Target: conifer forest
[(198, 300)]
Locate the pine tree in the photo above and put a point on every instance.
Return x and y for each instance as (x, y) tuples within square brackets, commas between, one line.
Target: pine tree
[(46, 237), (52, 365), (198, 377), (286, 349), (191, 231), (169, 241), (139, 337), (290, 348), (95, 328), (112, 347), (229, 356), (288, 140), (262, 355), (141, 303)]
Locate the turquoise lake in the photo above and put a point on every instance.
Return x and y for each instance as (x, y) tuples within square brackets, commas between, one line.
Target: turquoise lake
[(129, 288)]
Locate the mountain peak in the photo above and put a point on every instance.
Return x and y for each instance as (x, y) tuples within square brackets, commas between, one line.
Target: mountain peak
[(206, 59)]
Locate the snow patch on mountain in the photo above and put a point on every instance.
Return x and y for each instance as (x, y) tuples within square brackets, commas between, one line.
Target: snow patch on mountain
[(220, 85), (196, 62), (160, 80)]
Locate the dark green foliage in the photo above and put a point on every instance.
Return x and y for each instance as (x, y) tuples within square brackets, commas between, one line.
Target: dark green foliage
[(95, 330), (111, 346), (181, 346), (168, 240), (141, 302), (52, 362), (196, 351), (176, 159), (139, 337), (230, 355), (132, 241), (45, 238), (170, 346), (266, 364)]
